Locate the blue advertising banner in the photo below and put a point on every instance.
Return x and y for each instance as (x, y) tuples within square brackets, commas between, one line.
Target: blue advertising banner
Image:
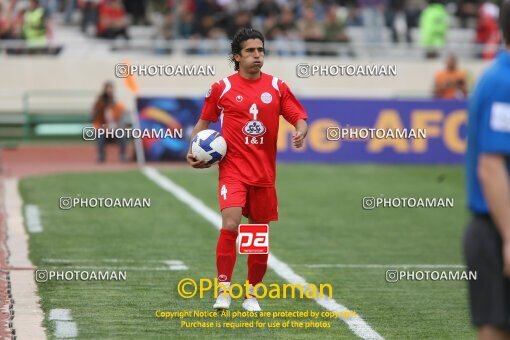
[(168, 113), (442, 124)]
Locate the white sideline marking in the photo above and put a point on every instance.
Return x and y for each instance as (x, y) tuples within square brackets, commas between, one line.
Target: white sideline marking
[(379, 266), (171, 264), (176, 265), (357, 325), (51, 260), (28, 316), (33, 218), (60, 314), (142, 269), (65, 327)]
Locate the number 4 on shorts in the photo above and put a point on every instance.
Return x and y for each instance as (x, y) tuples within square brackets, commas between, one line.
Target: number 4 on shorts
[(223, 192)]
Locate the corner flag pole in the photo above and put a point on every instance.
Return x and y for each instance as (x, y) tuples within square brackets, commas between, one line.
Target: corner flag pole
[(132, 86)]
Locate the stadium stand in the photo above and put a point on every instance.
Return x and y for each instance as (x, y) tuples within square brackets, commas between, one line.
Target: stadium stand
[(173, 32)]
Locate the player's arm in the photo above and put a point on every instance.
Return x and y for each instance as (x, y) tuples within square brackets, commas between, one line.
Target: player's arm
[(210, 113), (494, 146), (301, 131), (495, 183), (202, 124), (295, 114)]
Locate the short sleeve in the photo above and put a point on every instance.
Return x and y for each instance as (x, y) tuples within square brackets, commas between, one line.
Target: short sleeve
[(291, 108), (495, 129), (211, 111)]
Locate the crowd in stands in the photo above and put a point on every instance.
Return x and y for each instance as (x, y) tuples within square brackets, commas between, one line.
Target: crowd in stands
[(329, 20), (29, 22), (303, 21)]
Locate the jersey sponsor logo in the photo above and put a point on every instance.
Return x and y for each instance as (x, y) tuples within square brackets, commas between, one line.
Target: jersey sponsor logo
[(500, 117), (254, 128), (239, 99), (208, 94), (266, 97)]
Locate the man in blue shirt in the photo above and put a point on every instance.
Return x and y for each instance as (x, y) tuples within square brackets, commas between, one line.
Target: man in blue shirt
[(487, 238)]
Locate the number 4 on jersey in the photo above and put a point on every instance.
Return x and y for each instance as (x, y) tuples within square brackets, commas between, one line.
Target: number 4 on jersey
[(254, 111), (223, 191)]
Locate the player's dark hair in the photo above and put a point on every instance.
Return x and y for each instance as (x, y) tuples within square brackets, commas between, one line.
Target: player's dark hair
[(505, 21), (241, 36)]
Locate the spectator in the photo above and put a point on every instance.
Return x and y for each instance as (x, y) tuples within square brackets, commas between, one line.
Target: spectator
[(164, 34), (167, 29), (317, 7), (413, 9), (205, 26), (393, 9), (138, 11), (287, 24), (467, 12), (334, 28), (433, 28), (17, 24), (70, 6), (372, 12), (287, 35), (35, 26), (270, 27), (108, 113), (310, 30), (180, 5), (207, 7), (240, 20), (354, 15), (334, 32), (186, 24), (113, 20), (50, 7), (6, 24), (451, 82), (89, 14), (487, 31), (266, 8)]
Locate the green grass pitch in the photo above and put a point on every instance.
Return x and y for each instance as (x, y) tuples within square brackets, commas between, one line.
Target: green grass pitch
[(321, 222)]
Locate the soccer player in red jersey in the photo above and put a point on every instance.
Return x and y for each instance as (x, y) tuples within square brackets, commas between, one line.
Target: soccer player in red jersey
[(248, 104)]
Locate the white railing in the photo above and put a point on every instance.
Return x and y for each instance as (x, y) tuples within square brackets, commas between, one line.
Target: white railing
[(285, 48)]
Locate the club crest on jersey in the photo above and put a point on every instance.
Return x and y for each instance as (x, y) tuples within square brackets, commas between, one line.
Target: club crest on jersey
[(254, 128), (208, 94), (266, 97), (239, 98)]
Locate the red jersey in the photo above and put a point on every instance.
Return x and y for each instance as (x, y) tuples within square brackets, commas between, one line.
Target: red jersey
[(249, 111)]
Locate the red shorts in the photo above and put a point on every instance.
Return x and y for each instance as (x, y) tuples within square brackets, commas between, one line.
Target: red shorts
[(260, 204)]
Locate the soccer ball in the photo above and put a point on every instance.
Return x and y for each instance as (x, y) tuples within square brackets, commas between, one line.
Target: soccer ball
[(209, 145)]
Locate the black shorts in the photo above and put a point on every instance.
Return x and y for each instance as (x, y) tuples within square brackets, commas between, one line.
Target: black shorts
[(489, 294)]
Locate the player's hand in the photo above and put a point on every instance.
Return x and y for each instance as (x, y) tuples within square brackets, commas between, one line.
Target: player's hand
[(195, 163), (298, 138), (506, 258)]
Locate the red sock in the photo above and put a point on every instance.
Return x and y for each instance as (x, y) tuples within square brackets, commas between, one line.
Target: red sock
[(257, 265), (226, 254)]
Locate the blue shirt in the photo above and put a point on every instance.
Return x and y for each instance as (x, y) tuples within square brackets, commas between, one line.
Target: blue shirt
[(488, 126)]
